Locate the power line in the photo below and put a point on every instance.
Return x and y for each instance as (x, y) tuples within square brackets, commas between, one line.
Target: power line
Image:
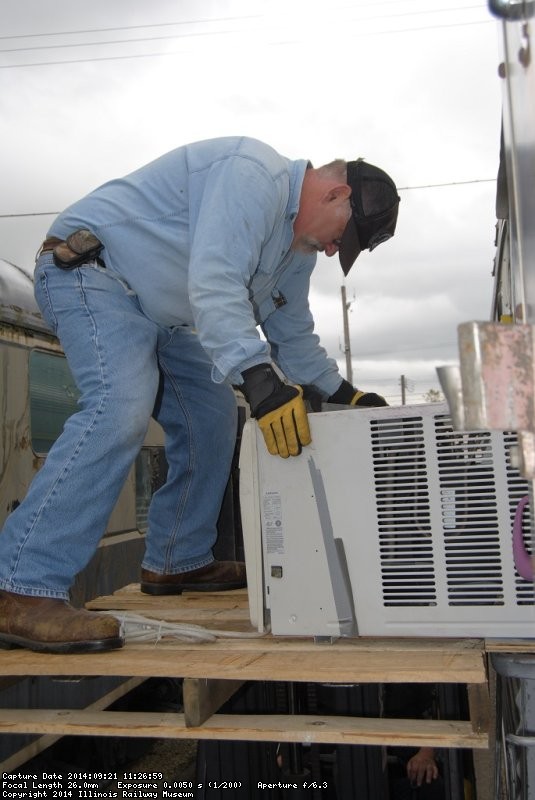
[(417, 348), (450, 183), (181, 52), (366, 34), (31, 214), (131, 27), (209, 20), (391, 381), (400, 189), (88, 60), (120, 41)]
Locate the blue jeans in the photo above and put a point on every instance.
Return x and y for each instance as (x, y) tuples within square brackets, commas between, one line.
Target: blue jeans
[(127, 368)]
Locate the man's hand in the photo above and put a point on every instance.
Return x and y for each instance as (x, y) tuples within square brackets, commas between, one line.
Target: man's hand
[(279, 409), (422, 767), (349, 396)]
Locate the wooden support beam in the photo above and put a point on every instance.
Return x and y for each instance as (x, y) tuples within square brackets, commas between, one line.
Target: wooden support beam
[(482, 703), (479, 705), (252, 727), (43, 742), (203, 697)]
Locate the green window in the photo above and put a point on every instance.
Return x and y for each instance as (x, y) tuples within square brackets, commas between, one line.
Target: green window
[(53, 398)]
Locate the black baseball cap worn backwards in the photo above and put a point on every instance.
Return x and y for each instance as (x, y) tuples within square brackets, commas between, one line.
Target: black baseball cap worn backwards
[(374, 205)]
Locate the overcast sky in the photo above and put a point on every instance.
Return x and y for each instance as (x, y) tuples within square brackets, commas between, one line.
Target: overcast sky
[(91, 91)]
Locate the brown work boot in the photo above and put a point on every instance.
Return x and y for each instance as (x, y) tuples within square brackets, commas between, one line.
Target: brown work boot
[(219, 576), (54, 626)]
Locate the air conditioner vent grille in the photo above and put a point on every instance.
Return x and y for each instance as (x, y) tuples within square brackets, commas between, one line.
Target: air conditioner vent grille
[(403, 512), (469, 516), (517, 488)]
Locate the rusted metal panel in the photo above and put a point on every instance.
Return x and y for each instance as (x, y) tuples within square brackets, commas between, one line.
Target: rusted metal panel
[(17, 461), (17, 302), (497, 376)]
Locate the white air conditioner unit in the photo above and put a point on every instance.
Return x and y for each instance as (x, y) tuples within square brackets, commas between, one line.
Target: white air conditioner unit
[(389, 524)]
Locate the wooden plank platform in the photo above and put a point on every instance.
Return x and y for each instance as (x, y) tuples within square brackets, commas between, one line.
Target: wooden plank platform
[(270, 659), (213, 670), (262, 658), (267, 728)]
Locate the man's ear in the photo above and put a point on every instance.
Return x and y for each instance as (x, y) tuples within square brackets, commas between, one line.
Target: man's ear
[(339, 192)]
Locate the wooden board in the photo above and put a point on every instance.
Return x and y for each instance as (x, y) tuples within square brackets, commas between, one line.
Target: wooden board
[(220, 610), (513, 646), (271, 659), (261, 658), (278, 728), (202, 698), (37, 746)]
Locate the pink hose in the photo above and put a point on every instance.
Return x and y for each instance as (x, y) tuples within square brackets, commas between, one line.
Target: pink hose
[(521, 557)]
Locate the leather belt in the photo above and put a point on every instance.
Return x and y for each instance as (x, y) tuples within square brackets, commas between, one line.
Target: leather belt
[(49, 244)]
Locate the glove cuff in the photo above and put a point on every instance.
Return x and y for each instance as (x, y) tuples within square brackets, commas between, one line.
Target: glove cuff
[(344, 394), (264, 390)]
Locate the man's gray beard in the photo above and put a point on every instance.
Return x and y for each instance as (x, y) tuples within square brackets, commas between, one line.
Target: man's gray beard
[(307, 247)]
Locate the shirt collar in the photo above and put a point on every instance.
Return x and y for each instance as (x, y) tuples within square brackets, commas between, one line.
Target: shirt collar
[(297, 174)]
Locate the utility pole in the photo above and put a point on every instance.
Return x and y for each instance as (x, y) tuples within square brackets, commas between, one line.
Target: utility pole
[(347, 345), (403, 389)]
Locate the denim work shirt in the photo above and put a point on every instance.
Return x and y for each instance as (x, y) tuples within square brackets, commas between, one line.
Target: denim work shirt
[(202, 235)]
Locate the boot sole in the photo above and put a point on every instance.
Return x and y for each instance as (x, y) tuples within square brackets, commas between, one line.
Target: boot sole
[(172, 588), (9, 642)]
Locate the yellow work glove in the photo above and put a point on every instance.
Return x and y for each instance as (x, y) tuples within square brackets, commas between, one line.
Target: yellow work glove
[(349, 396), (279, 410)]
